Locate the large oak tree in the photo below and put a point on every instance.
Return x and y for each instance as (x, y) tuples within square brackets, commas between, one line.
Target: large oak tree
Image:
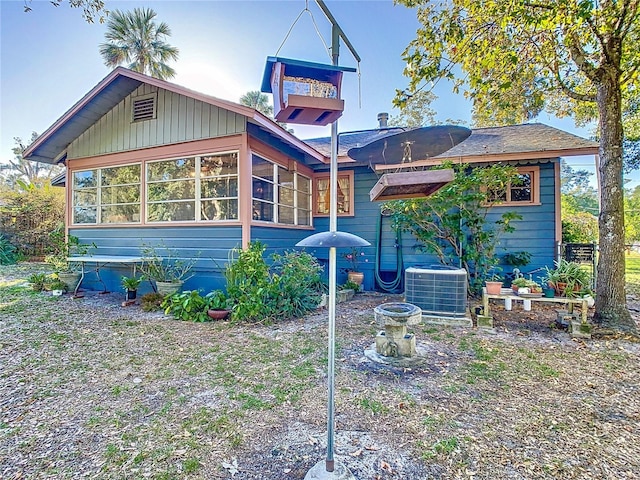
[(514, 59)]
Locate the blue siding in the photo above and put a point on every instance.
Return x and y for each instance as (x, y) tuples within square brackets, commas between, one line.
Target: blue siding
[(279, 239), (209, 245), (363, 224), (535, 233)]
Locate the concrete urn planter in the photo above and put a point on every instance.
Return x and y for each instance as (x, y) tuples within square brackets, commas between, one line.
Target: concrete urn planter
[(70, 279), (168, 288)]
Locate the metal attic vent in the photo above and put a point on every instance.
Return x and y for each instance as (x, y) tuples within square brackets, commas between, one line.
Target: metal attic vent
[(439, 290), (144, 108)]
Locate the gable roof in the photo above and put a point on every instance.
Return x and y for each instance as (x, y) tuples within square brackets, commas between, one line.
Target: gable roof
[(50, 147), (528, 137), (511, 142)]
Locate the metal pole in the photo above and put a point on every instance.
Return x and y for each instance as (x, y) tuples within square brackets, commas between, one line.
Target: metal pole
[(333, 227)]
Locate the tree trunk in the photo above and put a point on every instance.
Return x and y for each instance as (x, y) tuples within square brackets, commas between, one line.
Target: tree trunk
[(611, 306)]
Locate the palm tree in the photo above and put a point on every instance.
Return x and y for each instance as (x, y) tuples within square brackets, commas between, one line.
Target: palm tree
[(259, 101), (134, 38)]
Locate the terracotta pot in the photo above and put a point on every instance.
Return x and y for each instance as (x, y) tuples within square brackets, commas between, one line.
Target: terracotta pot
[(355, 277), (560, 288), (493, 288), (217, 314)]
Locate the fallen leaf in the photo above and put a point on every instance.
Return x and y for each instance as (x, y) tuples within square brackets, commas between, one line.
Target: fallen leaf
[(232, 467), (357, 453)]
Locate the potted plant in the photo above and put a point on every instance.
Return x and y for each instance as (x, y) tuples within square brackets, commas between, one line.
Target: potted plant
[(131, 284), (217, 304), (62, 248), (518, 283), (567, 278), (168, 272), (353, 257), (493, 283), (344, 294)]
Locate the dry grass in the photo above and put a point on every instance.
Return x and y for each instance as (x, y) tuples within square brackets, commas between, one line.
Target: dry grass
[(91, 389)]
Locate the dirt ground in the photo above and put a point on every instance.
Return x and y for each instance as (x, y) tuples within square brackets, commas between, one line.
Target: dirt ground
[(91, 389)]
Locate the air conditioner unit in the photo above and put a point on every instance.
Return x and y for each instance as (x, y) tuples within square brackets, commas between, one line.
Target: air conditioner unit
[(439, 290)]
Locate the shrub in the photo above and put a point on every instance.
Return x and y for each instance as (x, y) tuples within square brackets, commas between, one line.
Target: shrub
[(296, 281), (7, 251), (28, 216), (38, 281), (290, 288), (187, 305)]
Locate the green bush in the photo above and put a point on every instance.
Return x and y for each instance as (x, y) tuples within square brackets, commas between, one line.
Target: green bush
[(188, 306), (38, 281), (29, 215), (7, 251), (290, 288)]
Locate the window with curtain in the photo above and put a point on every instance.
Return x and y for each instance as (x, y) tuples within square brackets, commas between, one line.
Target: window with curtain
[(323, 194), (279, 195)]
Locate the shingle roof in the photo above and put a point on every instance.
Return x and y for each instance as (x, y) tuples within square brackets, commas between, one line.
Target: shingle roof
[(529, 137), (349, 140)]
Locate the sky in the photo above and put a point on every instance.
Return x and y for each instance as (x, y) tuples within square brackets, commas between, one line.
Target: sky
[(49, 58)]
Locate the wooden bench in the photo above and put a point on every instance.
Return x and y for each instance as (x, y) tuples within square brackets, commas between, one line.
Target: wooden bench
[(508, 294)]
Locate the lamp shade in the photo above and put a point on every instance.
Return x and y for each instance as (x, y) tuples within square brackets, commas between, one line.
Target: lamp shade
[(333, 239)]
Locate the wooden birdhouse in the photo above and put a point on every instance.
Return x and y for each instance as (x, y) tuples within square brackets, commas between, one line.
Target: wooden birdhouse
[(304, 92)]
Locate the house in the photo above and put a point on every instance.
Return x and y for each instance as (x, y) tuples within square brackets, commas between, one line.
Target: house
[(150, 162)]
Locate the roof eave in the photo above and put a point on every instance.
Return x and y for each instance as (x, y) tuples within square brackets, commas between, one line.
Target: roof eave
[(31, 153)]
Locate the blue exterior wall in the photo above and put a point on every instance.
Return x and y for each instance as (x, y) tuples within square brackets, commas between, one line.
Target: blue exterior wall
[(535, 233), (363, 224), (209, 245)]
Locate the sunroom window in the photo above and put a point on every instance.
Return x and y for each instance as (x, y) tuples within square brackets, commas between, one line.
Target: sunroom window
[(201, 188), (279, 195), (107, 195)]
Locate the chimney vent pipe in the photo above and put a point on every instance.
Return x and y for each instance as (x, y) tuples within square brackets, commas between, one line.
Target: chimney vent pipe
[(382, 119)]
